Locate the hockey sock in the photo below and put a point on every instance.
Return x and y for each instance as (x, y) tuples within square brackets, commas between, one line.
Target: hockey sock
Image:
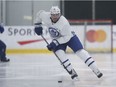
[(84, 55), (65, 62)]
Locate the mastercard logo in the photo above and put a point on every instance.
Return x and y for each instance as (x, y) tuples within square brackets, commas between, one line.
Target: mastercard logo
[(96, 35)]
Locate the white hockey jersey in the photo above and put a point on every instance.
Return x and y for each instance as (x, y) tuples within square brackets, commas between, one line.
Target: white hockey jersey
[(62, 26)]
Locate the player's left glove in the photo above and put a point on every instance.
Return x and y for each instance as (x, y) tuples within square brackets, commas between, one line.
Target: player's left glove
[(38, 29), (1, 29), (52, 46)]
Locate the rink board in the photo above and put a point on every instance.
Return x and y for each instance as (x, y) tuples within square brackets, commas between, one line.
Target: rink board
[(22, 39)]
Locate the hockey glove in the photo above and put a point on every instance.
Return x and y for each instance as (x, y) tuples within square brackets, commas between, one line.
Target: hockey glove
[(53, 45), (38, 30), (1, 29)]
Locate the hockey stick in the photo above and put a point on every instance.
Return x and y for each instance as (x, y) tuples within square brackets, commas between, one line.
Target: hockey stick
[(60, 60)]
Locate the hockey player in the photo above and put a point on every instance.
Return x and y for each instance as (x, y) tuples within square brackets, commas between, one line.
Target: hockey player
[(3, 48), (60, 32)]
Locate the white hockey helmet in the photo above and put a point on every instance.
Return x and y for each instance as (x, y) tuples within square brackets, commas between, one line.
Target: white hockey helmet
[(54, 10)]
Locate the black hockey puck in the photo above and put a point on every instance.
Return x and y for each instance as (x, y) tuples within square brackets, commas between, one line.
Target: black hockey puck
[(59, 81)]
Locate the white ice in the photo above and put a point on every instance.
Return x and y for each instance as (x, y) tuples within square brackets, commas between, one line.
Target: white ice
[(44, 70)]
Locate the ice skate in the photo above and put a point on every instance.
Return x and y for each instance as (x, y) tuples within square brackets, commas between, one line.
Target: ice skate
[(5, 60), (98, 74), (74, 76)]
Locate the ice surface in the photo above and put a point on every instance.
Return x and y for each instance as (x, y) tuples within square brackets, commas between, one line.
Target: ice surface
[(44, 70)]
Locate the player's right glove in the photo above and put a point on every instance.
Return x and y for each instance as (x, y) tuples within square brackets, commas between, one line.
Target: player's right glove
[(1, 29), (52, 46)]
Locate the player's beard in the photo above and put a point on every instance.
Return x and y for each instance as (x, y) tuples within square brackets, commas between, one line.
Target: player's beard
[(54, 20)]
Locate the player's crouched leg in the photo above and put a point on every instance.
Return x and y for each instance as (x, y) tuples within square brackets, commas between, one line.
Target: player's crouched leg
[(77, 47), (67, 64), (89, 61)]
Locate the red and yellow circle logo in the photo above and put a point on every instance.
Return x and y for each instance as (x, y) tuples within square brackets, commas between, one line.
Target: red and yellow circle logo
[(96, 35)]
